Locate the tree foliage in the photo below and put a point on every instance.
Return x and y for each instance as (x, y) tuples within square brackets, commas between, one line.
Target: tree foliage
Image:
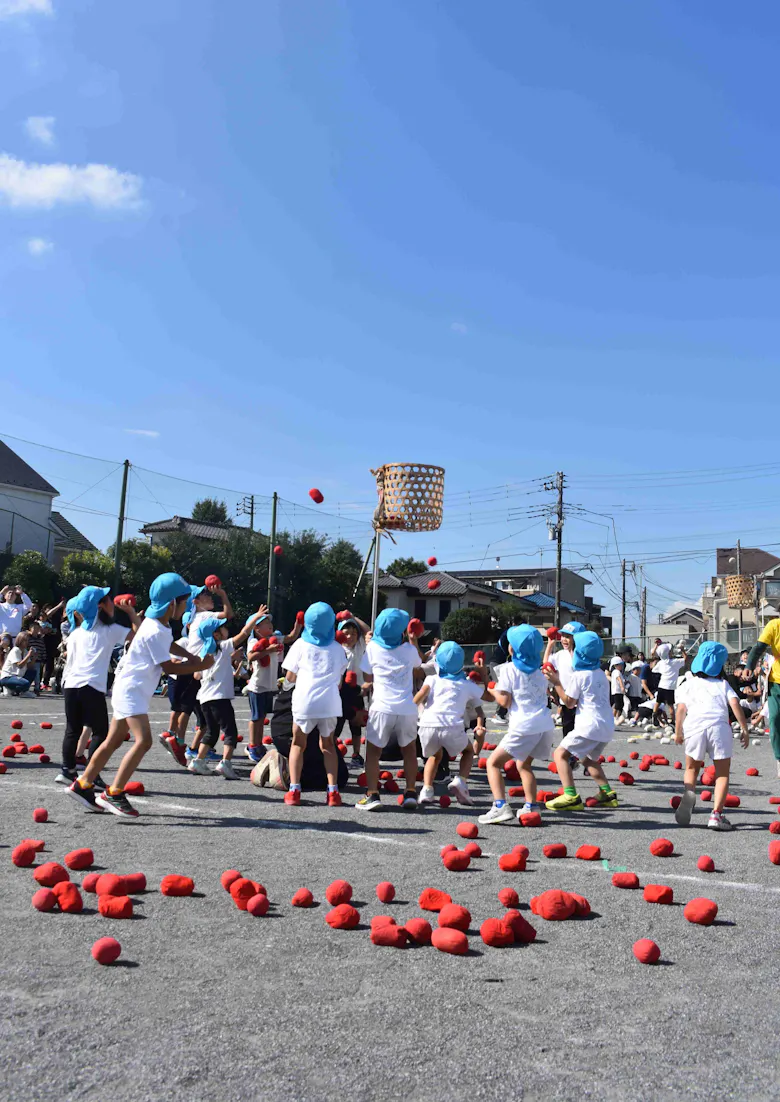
[(469, 625), (31, 570), (211, 510), (406, 567), (505, 615), (82, 568)]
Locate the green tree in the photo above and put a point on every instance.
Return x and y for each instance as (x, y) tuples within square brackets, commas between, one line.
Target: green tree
[(469, 625), (211, 511), (406, 568), (32, 572), (139, 565), (506, 614), (82, 568)]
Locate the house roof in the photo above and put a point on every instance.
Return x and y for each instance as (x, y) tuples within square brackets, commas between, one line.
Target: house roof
[(67, 535), (544, 600), (752, 560), (516, 572), (448, 585), (205, 530), (15, 472)]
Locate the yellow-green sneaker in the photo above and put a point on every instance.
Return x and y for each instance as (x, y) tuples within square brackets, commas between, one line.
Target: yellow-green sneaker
[(565, 803), (607, 799)]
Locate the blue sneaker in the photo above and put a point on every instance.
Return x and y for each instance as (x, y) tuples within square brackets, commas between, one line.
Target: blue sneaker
[(212, 755), (190, 753), (254, 753)]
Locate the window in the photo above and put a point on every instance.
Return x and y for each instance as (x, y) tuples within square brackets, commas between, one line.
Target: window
[(419, 609), (445, 608), (771, 589)]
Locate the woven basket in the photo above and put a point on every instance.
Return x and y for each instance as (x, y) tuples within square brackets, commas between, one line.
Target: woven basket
[(411, 497), (740, 591)]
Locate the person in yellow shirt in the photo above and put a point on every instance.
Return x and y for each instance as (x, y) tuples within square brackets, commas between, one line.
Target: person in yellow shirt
[(769, 640)]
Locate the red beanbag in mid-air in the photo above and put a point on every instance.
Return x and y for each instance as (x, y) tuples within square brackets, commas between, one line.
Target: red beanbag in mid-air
[(212, 581), (316, 496)]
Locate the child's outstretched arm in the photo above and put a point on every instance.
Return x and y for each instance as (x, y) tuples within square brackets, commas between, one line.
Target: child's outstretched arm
[(680, 713), (246, 630), (227, 608), (552, 676), (422, 694)]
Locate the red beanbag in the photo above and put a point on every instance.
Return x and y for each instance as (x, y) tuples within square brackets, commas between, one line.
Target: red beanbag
[(389, 934), (774, 852), (732, 800), (658, 893), (134, 883), (40, 815), (415, 627), (774, 799), (385, 892), (634, 755), (23, 855), (241, 891), (302, 898), (662, 847), (342, 917), (467, 830), (431, 899), (458, 918), (512, 862), (508, 897), (675, 802), (177, 885), (212, 581), (228, 878), (708, 775), (338, 892), (588, 853), (448, 940), (258, 905), (581, 905), (316, 496), (678, 765), (774, 828), (106, 950), (625, 778), (115, 906), (419, 930), (496, 933), (134, 788), (9, 752), (445, 800), (109, 884), (46, 727), (68, 897), (705, 864), (79, 859), (517, 791), (382, 920), (554, 905), (472, 849), (50, 874), (44, 759), (89, 883), (37, 748), (706, 795), (450, 847), (702, 912), (17, 724), (3, 767), (646, 951), (625, 880), (623, 764), (522, 930), (511, 772), (456, 860), (44, 900), (531, 819), (752, 772)]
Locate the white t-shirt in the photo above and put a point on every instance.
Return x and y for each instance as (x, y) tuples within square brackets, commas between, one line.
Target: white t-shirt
[(707, 703), (393, 678), (668, 669), (447, 700), (616, 682), (355, 658), (528, 713), (594, 719), (318, 672), (264, 678), (634, 684), (561, 660), (191, 641), (13, 665), (89, 655), (217, 681), (139, 671), (11, 617)]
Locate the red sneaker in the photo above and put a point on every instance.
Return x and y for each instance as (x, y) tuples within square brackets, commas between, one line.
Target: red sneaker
[(175, 748), (334, 799), (293, 798)]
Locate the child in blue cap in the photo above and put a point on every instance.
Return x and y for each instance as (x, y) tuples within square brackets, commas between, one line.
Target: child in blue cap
[(388, 665), (561, 661), (594, 723), (445, 696), (522, 689), (263, 659), (315, 664), (702, 722), (137, 677)]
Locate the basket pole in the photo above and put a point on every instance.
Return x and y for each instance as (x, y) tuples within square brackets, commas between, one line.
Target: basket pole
[(375, 593)]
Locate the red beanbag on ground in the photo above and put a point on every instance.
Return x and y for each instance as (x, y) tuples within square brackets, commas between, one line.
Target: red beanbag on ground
[(467, 830), (338, 892), (706, 795), (554, 905), (508, 897), (662, 847), (17, 724), (419, 930), (752, 772), (581, 905), (431, 899), (50, 874), (675, 802), (46, 727), (258, 905), (37, 748), (774, 828), (9, 752), (496, 933), (512, 862), (389, 934), (134, 788), (445, 800), (109, 884), (177, 885), (456, 860), (625, 880), (472, 849), (133, 883), (458, 918), (79, 859), (774, 799), (89, 883), (40, 815), (732, 800), (450, 847), (774, 852), (106, 950), (634, 755), (115, 906), (68, 897), (302, 898), (625, 778), (708, 775), (646, 951), (44, 900), (522, 930), (342, 917), (382, 920), (511, 772), (242, 890), (517, 792), (23, 855), (702, 912), (228, 878), (531, 819), (705, 864), (385, 892), (588, 853), (658, 893), (448, 940)]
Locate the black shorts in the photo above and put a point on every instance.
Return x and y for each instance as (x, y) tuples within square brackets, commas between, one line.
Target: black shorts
[(665, 696), (568, 715), (616, 700), (219, 717), (183, 692), (635, 701)]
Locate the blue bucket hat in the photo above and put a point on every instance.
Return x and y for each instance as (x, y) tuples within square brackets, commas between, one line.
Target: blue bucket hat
[(710, 659), (70, 608), (164, 589), (572, 628), (449, 662), (205, 633), (195, 591), (319, 624), (391, 623), (588, 649), (527, 647), (86, 602)]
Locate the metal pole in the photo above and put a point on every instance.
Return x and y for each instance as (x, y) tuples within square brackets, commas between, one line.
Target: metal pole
[(623, 603), (120, 526), (643, 630), (375, 593), (363, 568), (559, 478), (251, 512), (739, 571), (271, 556)]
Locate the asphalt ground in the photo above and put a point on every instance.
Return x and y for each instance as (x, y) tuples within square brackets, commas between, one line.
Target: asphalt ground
[(210, 1003)]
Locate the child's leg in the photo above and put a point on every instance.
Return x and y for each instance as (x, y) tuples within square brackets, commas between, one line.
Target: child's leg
[(563, 761), (116, 736), (141, 731), (429, 770), (692, 768), (409, 753), (297, 748), (210, 736), (596, 772), (466, 762), (84, 737), (529, 781), (372, 767), (357, 735), (228, 725), (722, 769), (495, 772), (479, 739), (331, 758)]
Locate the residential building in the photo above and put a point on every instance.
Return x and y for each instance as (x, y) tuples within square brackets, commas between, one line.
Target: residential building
[(159, 530), (67, 539), (524, 578), (729, 625)]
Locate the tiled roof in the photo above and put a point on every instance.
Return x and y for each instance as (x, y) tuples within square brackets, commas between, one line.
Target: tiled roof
[(448, 586), (544, 600), (70, 535), (201, 528), (493, 573), (15, 472)]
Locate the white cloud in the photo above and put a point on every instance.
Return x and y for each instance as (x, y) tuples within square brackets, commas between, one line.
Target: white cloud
[(459, 327), (31, 186), (37, 246), (40, 128), (25, 7), (142, 432)]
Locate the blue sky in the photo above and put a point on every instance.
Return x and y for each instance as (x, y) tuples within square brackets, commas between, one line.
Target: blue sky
[(508, 238)]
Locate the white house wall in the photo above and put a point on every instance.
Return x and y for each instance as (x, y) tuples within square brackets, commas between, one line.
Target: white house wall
[(30, 525)]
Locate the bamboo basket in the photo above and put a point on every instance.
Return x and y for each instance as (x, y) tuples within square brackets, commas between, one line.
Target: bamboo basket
[(411, 497), (740, 591)]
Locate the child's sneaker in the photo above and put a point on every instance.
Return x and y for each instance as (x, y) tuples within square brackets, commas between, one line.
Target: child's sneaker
[(87, 797), (117, 805), (503, 814), (334, 799), (409, 802), (357, 761), (254, 753), (684, 809), (293, 797), (198, 765), (427, 795), (226, 770), (565, 803), (369, 802), (527, 809), (717, 821), (607, 799), (66, 776), (460, 790)]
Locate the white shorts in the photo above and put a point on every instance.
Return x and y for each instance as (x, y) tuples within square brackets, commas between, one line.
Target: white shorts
[(127, 705), (582, 747), (382, 726), (326, 726), (451, 739), (538, 744), (717, 742)]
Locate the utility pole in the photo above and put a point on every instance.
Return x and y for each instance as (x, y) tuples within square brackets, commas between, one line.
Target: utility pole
[(271, 556), (120, 526), (246, 507), (560, 482), (643, 619), (739, 571), (623, 603)]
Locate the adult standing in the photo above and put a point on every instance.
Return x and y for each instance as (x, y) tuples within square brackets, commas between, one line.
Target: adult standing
[(769, 640), (14, 606)]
